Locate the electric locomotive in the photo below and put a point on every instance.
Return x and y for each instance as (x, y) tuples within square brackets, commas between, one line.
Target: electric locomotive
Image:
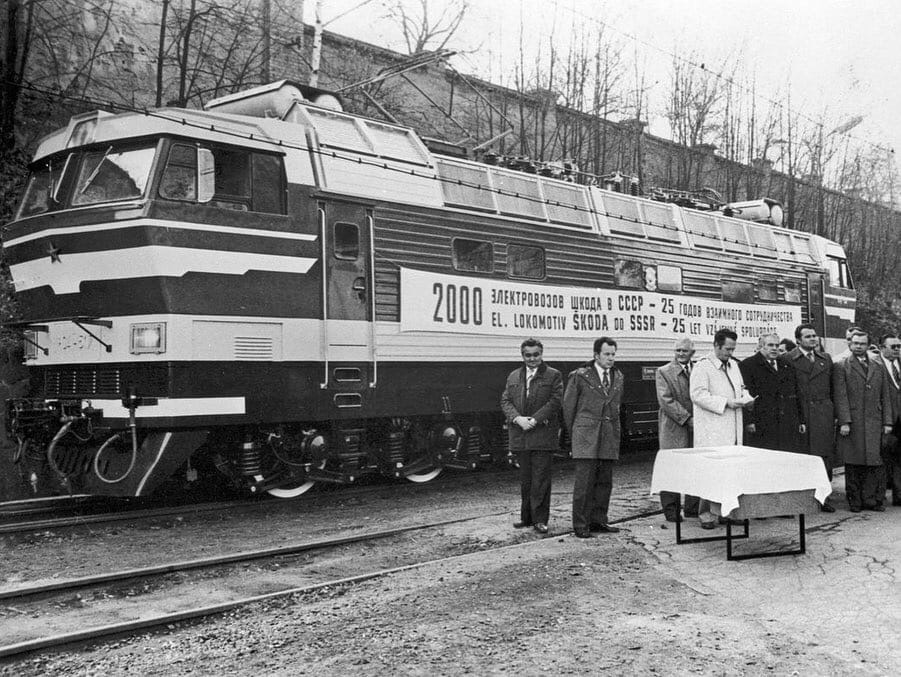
[(287, 293)]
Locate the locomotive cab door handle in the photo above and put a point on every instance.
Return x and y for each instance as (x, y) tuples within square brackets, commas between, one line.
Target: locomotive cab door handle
[(359, 286)]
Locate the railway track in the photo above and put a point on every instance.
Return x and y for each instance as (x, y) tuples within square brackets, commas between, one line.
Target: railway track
[(133, 626), (91, 511)]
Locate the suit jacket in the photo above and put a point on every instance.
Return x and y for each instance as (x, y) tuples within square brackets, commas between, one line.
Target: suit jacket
[(674, 400), (863, 400), (714, 423), (591, 413), (776, 413), (542, 402), (893, 389), (814, 383)]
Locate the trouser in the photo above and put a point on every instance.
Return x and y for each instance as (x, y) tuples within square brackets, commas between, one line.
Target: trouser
[(591, 491), (669, 501), (864, 485), (705, 515), (535, 486), (891, 457)]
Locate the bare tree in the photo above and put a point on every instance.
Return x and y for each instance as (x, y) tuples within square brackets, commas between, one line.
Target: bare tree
[(422, 27)]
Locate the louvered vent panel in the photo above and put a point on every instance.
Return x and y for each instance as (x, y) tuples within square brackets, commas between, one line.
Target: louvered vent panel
[(253, 348), (83, 382)]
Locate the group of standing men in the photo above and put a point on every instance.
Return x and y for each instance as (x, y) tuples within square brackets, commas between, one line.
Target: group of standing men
[(794, 399), (532, 401), (799, 400)]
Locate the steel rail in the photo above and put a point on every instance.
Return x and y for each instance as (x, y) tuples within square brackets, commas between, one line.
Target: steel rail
[(118, 629)]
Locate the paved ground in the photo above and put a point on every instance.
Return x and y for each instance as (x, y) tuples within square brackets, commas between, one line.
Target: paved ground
[(629, 603)]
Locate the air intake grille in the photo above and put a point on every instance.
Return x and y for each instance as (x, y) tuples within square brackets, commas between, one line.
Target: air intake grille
[(253, 348), (89, 381)]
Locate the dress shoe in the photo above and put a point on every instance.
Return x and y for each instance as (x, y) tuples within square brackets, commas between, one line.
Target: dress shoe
[(520, 525), (708, 525), (878, 508), (582, 533), (540, 528), (852, 509), (607, 529), (828, 507)]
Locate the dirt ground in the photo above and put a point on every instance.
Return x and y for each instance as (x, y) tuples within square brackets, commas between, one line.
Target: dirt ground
[(629, 603)]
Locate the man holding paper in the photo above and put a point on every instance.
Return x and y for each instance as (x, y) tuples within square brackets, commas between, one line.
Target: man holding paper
[(718, 394)]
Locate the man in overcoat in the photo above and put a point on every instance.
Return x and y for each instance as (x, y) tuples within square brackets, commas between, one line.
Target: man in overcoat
[(774, 422), (890, 358), (813, 376), (718, 394), (531, 403), (863, 404), (674, 419), (591, 407)]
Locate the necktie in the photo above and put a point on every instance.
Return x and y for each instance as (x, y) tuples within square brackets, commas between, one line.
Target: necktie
[(606, 380), (686, 372), (530, 374), (773, 365), (811, 357), (896, 373), (863, 363)]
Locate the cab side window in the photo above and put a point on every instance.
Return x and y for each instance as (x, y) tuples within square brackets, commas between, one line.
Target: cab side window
[(243, 180)]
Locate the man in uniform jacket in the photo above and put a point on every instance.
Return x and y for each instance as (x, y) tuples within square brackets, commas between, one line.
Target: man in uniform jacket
[(774, 422), (718, 394), (813, 376), (890, 358), (863, 404), (591, 406), (531, 403), (674, 420)]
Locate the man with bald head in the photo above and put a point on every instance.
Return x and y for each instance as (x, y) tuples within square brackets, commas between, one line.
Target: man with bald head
[(674, 420), (775, 421)]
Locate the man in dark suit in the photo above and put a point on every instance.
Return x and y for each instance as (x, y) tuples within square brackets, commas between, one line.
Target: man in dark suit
[(890, 358), (591, 406), (863, 408), (813, 376), (674, 419), (531, 403), (774, 422)]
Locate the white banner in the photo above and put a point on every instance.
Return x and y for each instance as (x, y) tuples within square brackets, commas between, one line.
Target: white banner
[(468, 305)]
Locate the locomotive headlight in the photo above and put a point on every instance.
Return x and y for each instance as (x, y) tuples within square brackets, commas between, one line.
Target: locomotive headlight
[(148, 337)]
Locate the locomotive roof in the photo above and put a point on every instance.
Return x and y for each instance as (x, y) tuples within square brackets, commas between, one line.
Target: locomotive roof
[(366, 158)]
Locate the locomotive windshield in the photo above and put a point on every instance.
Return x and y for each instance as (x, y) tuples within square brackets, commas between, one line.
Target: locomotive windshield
[(84, 178)]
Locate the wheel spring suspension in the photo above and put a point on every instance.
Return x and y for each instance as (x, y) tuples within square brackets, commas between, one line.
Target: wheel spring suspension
[(350, 454), (474, 441), (250, 463), (396, 447)]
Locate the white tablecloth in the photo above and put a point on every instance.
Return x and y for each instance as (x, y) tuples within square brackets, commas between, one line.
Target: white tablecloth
[(722, 474)]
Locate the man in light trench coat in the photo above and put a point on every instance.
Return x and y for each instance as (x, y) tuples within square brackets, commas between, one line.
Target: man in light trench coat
[(718, 394), (674, 419)]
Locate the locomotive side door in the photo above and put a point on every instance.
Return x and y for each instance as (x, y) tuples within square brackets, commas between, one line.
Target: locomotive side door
[(348, 299)]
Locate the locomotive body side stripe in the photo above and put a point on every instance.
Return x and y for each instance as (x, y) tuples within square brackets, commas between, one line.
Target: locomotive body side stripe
[(175, 407), (176, 225), (148, 261)]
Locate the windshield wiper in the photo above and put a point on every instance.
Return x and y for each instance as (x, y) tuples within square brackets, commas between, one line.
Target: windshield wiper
[(96, 171)]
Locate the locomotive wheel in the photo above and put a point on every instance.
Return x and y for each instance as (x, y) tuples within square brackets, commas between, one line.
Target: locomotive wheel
[(425, 476), (288, 491), (291, 490)]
